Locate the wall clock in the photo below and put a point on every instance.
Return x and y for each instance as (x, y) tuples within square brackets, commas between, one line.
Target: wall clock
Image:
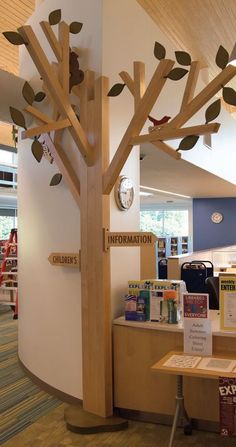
[(217, 217), (124, 193)]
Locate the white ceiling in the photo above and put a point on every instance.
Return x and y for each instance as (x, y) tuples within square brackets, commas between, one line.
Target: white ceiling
[(159, 170)]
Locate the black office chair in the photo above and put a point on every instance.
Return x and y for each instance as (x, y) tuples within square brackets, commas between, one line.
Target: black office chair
[(212, 287)]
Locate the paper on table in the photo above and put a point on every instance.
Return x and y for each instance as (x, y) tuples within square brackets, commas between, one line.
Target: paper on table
[(182, 361), (216, 364)]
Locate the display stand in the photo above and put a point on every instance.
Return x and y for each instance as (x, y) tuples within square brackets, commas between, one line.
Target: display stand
[(180, 412)]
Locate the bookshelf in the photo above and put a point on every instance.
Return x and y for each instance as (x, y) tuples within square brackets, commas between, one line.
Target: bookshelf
[(174, 245)]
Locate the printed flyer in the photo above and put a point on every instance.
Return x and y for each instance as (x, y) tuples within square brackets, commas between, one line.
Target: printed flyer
[(227, 397), (195, 305), (227, 286)]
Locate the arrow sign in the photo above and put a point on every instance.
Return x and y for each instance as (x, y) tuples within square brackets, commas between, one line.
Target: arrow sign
[(127, 239), (65, 259)]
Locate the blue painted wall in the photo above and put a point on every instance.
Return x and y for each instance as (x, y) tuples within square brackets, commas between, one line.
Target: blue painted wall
[(207, 234)]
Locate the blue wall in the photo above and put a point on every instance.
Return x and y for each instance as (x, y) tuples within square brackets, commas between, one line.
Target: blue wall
[(207, 234)]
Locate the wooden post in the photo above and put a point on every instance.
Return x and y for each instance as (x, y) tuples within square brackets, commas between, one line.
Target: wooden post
[(95, 266)]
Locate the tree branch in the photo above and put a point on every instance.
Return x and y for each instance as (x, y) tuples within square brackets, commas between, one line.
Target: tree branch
[(145, 106), (168, 133), (204, 96), (57, 93), (55, 125)]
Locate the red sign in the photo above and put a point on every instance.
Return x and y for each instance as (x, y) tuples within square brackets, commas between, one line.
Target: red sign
[(227, 396)]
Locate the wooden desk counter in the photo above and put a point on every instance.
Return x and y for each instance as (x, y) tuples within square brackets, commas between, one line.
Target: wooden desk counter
[(138, 346)]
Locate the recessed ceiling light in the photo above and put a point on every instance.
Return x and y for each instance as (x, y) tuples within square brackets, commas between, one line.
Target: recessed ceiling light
[(145, 194), (165, 192)]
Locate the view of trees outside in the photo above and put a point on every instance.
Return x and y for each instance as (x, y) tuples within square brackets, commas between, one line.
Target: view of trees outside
[(6, 224), (165, 223)]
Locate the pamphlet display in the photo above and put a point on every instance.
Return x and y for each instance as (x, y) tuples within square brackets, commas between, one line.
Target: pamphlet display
[(227, 398), (227, 287), (155, 300)]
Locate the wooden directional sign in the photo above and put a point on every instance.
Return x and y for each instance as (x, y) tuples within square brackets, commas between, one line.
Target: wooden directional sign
[(127, 239), (65, 259)]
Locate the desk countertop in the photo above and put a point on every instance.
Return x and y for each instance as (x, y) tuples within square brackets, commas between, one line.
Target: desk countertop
[(214, 317)]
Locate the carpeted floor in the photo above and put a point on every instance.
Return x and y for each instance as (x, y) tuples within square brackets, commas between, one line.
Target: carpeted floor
[(21, 401)]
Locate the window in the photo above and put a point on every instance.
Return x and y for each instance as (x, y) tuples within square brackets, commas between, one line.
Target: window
[(165, 222), (6, 224)]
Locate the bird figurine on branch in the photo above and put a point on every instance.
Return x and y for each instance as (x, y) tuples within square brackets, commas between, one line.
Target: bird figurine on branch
[(158, 123)]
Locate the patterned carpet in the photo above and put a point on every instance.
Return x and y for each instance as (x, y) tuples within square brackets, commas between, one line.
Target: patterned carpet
[(21, 402)]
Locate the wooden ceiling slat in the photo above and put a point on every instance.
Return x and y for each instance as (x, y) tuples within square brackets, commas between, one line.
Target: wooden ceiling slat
[(196, 26), (13, 14)]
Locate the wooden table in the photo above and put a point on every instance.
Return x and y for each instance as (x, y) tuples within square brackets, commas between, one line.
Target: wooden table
[(180, 411)]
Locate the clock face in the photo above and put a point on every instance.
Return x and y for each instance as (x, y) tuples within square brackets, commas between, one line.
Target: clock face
[(217, 217), (124, 193)]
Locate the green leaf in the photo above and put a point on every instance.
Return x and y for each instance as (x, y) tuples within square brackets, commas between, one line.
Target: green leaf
[(222, 57), (28, 93), (159, 51), (75, 27), (40, 96), (213, 111), (56, 179), (14, 38), (116, 90), (37, 150), (187, 143), (176, 74), (54, 17), (17, 117), (229, 95), (183, 58)]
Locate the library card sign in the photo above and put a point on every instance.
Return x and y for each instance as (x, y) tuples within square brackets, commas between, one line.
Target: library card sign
[(126, 239), (65, 259)]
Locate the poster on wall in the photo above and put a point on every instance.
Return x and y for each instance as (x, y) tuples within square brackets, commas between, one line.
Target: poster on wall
[(227, 399), (195, 305), (227, 288)]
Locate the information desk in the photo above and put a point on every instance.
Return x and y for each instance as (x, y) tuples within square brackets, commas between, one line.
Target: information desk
[(138, 346), (163, 366)]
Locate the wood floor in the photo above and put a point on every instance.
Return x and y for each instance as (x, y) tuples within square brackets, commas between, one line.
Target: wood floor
[(50, 431)]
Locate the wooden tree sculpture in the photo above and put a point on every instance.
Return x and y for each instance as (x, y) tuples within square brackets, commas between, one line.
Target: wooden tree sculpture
[(92, 185)]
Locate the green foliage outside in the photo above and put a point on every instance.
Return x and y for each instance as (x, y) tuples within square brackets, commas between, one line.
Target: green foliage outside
[(6, 224), (165, 223)]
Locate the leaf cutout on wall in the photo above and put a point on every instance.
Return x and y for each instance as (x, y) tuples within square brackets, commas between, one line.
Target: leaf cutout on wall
[(222, 57), (116, 90), (28, 93), (187, 143), (159, 51), (40, 96), (213, 111), (75, 27), (183, 58), (37, 150), (229, 95), (176, 74), (17, 117), (56, 179), (54, 17), (14, 38)]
